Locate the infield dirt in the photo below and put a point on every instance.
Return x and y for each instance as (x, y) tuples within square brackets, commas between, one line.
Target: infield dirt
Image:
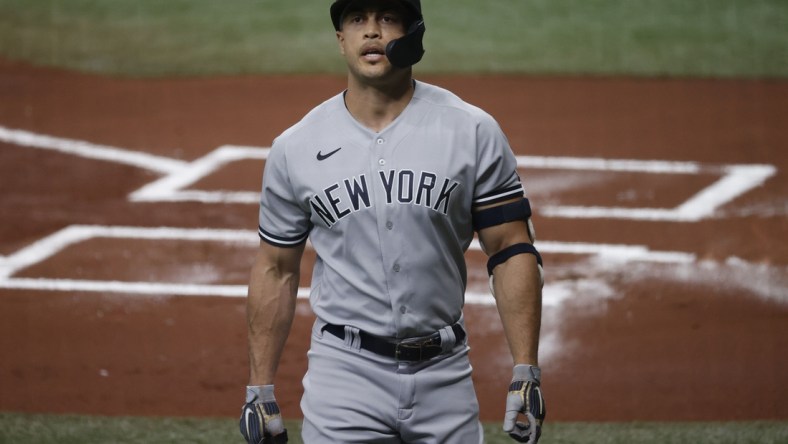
[(623, 339)]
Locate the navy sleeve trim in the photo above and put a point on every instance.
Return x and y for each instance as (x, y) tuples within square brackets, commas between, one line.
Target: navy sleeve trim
[(279, 241), (499, 195)]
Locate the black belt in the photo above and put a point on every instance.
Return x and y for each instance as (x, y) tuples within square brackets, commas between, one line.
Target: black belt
[(417, 349)]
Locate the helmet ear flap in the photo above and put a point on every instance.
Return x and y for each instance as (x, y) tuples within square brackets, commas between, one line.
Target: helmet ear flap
[(408, 49)]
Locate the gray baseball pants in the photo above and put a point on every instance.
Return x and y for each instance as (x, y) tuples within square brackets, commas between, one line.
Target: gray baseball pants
[(352, 395)]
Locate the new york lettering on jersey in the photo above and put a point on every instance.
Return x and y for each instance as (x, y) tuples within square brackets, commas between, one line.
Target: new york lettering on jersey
[(406, 187)]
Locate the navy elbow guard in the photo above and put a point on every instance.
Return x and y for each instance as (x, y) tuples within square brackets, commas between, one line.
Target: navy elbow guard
[(512, 250), (501, 214), (488, 217)]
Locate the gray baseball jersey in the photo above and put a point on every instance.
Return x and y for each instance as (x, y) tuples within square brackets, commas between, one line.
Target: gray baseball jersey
[(388, 213)]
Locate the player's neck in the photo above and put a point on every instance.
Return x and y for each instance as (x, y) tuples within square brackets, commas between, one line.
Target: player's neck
[(375, 106)]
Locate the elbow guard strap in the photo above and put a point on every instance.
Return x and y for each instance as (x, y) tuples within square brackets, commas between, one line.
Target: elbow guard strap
[(512, 250), (519, 210)]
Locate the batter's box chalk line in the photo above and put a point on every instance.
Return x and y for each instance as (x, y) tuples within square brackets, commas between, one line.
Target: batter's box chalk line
[(51, 245), (734, 180)]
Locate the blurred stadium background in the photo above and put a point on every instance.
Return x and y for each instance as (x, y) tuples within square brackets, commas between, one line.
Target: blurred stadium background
[(728, 39)]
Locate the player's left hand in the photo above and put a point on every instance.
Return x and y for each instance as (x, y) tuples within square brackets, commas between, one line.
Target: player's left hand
[(261, 420), (525, 397)]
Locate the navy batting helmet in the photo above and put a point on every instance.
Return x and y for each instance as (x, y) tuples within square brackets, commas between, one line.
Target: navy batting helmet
[(402, 52)]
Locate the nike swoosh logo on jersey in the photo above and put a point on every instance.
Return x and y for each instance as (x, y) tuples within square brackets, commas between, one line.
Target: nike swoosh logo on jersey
[(321, 156)]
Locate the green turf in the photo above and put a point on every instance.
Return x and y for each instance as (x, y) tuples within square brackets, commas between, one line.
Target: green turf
[(721, 38), (72, 429)]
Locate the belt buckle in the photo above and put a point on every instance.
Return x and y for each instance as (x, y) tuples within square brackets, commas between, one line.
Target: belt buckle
[(420, 344)]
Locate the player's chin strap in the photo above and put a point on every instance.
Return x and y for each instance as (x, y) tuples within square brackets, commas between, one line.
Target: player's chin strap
[(407, 50)]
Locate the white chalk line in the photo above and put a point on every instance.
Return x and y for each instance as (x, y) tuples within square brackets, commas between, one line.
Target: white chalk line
[(53, 244), (170, 188), (738, 179), (89, 150), (189, 290), (735, 180), (56, 242), (618, 165)]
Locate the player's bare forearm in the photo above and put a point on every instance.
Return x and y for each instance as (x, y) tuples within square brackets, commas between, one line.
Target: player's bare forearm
[(273, 287), (517, 289), (518, 295)]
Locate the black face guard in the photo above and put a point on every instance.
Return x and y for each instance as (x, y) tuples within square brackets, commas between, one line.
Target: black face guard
[(408, 49)]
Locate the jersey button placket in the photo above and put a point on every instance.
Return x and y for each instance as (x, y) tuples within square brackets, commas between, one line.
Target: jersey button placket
[(380, 141), (390, 253)]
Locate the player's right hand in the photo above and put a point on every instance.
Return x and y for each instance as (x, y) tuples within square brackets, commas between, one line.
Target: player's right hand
[(525, 398), (261, 421)]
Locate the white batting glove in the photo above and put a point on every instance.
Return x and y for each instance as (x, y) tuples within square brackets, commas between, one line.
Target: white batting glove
[(261, 421), (525, 397)]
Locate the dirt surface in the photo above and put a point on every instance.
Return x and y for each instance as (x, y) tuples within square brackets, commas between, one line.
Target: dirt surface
[(629, 333)]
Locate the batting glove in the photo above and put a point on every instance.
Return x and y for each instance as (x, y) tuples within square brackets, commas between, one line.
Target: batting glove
[(261, 421), (525, 397)]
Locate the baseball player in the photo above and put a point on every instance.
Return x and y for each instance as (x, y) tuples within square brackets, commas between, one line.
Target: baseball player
[(389, 180)]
